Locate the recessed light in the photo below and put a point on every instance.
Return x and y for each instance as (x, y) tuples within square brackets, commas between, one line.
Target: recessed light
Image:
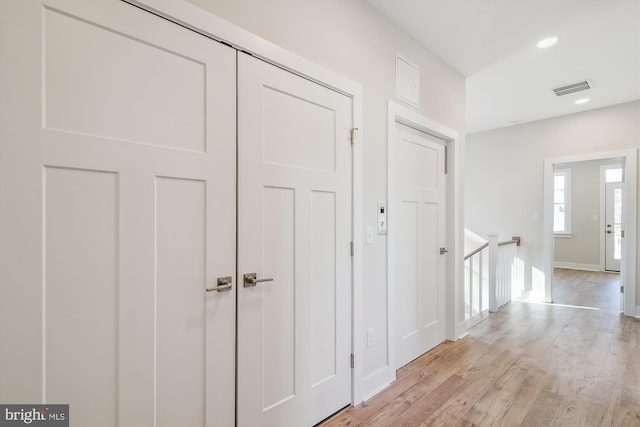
[(547, 42), (581, 101)]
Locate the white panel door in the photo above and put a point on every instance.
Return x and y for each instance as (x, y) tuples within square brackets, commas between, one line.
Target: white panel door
[(294, 226), (118, 212), (416, 234), (613, 224)]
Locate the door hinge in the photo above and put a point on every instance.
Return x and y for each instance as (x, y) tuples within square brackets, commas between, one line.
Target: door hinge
[(446, 158), (622, 233), (352, 137), (353, 361), (351, 248), (622, 289)]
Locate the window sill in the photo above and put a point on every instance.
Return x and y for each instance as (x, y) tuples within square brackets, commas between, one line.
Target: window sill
[(563, 235)]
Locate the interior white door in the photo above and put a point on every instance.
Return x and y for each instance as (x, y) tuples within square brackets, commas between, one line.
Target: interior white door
[(118, 212), (613, 226), (294, 230), (416, 234)]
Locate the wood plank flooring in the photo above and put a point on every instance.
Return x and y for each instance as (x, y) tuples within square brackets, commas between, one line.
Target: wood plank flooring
[(573, 363)]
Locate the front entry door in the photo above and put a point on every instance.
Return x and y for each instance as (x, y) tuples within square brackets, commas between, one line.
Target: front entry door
[(294, 228), (613, 230), (417, 234), (118, 212)]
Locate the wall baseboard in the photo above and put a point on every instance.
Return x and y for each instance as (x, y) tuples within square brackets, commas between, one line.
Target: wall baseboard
[(375, 382), (462, 330), (576, 266)]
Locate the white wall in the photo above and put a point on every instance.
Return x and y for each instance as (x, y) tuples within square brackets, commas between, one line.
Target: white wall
[(354, 40), (504, 172)]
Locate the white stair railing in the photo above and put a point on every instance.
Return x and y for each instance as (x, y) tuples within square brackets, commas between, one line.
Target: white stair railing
[(490, 274), (502, 270), (476, 290)]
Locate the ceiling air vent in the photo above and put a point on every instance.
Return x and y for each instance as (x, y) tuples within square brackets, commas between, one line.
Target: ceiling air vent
[(572, 88)]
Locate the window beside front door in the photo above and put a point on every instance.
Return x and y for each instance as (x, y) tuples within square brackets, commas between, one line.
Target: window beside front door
[(562, 202)]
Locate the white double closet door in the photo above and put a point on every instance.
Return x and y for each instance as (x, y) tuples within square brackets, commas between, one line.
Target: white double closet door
[(126, 195)]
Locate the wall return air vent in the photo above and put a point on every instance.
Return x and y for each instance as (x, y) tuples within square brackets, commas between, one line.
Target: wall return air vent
[(572, 88)]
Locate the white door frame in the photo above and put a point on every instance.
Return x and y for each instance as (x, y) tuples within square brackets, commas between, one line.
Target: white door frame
[(455, 224), (209, 25), (628, 262)]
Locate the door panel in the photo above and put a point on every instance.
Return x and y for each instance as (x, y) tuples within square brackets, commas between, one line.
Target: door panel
[(408, 322), (322, 311), (278, 301), (120, 154), (76, 75), (430, 295), (294, 210), (180, 306), (417, 232), (80, 289), (307, 141)]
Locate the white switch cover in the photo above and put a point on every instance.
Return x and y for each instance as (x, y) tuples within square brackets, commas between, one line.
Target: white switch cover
[(535, 217), (382, 217), (371, 337), (369, 235)]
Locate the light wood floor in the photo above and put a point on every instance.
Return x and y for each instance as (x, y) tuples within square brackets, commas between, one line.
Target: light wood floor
[(576, 364)]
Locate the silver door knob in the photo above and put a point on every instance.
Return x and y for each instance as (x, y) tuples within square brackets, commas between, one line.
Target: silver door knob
[(251, 279)]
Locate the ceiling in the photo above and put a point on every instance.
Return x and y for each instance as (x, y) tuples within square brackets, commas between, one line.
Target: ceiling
[(508, 79)]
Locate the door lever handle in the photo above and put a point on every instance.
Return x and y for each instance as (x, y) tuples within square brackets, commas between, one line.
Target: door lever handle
[(443, 251), (224, 284), (250, 280)]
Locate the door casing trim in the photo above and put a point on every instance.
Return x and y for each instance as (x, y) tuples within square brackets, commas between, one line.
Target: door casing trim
[(629, 243), (454, 227)]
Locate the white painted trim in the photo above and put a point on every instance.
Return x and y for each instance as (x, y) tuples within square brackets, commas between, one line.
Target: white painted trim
[(576, 266), (375, 382), (455, 224), (466, 327), (357, 327), (472, 321), (558, 235), (209, 25), (628, 264)]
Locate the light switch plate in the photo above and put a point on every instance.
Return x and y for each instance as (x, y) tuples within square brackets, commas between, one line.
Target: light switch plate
[(369, 236)]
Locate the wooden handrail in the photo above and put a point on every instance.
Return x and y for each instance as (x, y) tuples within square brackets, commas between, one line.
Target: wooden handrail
[(514, 240), (472, 253)]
